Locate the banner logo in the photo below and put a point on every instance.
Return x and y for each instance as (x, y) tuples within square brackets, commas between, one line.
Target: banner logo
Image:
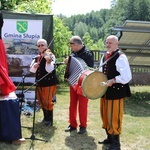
[(22, 26)]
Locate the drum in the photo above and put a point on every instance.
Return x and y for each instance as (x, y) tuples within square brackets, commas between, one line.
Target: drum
[(91, 84), (74, 68)]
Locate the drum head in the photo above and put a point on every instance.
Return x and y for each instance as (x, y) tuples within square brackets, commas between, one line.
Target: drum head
[(92, 87)]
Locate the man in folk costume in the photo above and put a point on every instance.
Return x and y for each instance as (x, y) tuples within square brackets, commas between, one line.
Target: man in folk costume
[(118, 72), (9, 104), (78, 102), (44, 67)]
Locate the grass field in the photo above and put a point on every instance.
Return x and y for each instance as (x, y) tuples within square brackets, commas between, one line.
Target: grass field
[(135, 134)]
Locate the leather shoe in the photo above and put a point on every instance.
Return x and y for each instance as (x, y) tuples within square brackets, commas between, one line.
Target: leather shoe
[(82, 130), (70, 128)]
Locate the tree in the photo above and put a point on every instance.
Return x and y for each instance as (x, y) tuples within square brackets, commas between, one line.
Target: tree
[(61, 45), (10, 4), (143, 10), (87, 40), (35, 6), (100, 44), (80, 29), (61, 39), (93, 33)]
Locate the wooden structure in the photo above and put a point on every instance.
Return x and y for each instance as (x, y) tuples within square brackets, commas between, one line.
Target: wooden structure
[(134, 40)]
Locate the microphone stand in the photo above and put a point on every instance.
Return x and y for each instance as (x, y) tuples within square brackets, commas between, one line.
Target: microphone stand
[(21, 95), (32, 137)]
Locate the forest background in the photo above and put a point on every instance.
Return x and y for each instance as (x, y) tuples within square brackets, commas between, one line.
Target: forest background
[(92, 27)]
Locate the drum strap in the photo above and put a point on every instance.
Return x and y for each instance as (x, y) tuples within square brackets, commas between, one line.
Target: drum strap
[(107, 60)]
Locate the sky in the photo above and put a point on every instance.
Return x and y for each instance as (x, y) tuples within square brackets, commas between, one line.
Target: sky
[(74, 7)]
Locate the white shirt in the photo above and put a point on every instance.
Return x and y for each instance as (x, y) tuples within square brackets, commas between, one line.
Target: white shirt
[(122, 66), (49, 67)]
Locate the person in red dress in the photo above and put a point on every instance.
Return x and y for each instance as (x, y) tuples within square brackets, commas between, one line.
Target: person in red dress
[(10, 126)]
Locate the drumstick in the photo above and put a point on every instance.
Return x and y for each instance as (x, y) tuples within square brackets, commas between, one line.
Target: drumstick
[(103, 83)]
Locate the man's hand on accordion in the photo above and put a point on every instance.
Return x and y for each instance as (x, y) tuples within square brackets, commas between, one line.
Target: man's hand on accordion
[(66, 61)]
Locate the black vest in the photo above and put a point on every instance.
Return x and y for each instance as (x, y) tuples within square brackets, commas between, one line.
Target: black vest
[(48, 80), (117, 90)]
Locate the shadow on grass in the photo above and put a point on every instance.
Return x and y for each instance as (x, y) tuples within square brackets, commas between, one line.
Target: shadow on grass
[(41, 134), (62, 90), (8, 146), (76, 141), (138, 104)]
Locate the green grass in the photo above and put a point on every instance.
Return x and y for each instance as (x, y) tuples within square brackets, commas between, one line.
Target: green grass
[(135, 134)]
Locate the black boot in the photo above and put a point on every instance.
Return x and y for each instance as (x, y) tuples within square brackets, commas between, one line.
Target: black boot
[(49, 118), (115, 143), (107, 140), (45, 115)]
